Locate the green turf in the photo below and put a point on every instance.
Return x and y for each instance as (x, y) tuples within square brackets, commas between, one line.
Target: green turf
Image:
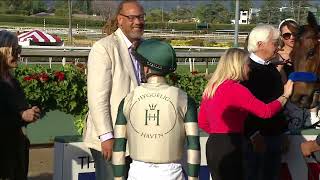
[(198, 68)]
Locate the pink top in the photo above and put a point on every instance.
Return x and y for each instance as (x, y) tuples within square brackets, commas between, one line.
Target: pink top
[(226, 111)]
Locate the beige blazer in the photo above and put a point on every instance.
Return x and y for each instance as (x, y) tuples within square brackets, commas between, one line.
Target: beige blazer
[(110, 78)]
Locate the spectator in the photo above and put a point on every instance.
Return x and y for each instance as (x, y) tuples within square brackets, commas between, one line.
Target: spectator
[(297, 117), (14, 112), (288, 30), (112, 74), (264, 138)]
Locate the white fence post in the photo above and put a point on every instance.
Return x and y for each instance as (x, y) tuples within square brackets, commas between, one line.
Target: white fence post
[(190, 63), (193, 66), (63, 61), (50, 62)]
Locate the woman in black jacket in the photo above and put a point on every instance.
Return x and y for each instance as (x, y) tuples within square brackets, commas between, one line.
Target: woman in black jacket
[(15, 113)]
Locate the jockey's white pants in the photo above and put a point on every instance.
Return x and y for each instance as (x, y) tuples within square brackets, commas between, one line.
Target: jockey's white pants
[(150, 171)]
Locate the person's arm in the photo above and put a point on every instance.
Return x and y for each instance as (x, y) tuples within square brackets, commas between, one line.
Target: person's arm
[(202, 120), (309, 147), (16, 102), (99, 88), (193, 143), (246, 100), (99, 91), (119, 146)]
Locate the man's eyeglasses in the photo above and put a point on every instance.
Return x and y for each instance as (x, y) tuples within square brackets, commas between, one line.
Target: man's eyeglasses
[(287, 36), (16, 50), (132, 17)]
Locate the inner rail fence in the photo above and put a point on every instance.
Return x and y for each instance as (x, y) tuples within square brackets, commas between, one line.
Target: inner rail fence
[(49, 55)]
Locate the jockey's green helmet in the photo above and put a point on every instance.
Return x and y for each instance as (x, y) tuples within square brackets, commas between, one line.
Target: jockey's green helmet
[(157, 55)]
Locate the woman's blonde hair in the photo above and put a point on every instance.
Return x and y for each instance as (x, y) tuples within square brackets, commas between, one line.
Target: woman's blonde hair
[(230, 66), (8, 41)]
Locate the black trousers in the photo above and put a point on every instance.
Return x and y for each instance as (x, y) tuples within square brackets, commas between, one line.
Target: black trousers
[(225, 157), (14, 157)]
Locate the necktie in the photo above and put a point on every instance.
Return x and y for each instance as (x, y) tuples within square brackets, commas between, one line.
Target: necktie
[(137, 66)]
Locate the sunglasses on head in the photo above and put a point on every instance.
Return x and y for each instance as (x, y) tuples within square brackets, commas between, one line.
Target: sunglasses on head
[(287, 36)]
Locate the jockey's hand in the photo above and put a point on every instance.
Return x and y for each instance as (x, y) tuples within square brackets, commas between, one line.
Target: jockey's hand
[(106, 149), (258, 144)]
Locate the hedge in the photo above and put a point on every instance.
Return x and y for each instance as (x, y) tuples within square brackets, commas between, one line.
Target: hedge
[(66, 89)]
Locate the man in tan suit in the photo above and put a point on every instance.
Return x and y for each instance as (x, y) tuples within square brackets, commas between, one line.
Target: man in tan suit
[(112, 74)]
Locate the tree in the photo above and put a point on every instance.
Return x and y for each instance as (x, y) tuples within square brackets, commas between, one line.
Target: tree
[(245, 5), (106, 9), (35, 7), (182, 14), (157, 15), (300, 11), (200, 12), (13, 4), (82, 6), (254, 19), (26, 7), (213, 13), (61, 8), (270, 12)]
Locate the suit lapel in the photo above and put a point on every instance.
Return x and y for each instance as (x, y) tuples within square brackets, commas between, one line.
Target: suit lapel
[(125, 57)]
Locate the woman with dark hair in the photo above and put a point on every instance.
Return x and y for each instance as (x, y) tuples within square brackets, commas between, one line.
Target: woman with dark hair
[(297, 117), (288, 29), (14, 113)]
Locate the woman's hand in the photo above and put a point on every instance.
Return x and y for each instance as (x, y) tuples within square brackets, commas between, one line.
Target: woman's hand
[(31, 115), (287, 89)]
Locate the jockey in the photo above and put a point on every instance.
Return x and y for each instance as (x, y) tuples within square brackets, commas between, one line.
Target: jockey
[(156, 119)]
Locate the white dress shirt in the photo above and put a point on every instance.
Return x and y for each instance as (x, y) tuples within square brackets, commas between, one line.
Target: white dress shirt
[(258, 60)]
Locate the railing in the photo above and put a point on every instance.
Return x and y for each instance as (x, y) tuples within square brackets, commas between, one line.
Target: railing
[(57, 54), (83, 52)]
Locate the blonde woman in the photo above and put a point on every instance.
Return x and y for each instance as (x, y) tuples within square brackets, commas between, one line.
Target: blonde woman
[(224, 107), (14, 113)]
